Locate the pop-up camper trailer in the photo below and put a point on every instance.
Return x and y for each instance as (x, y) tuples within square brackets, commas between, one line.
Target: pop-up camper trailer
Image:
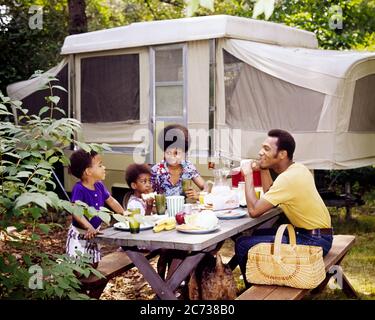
[(238, 76)]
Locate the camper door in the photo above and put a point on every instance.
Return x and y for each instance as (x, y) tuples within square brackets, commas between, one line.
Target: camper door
[(168, 91)]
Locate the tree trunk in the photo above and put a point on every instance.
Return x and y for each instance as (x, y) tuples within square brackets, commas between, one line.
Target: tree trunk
[(77, 16), (348, 214)]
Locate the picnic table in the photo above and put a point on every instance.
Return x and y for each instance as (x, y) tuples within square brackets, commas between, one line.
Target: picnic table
[(192, 246)]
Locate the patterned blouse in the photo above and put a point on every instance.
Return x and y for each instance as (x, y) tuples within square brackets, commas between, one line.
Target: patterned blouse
[(161, 178)]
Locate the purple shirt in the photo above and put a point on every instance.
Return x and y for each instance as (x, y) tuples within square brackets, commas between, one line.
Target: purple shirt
[(93, 198), (161, 178)]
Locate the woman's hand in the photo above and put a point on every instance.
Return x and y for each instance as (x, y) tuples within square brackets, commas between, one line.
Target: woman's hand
[(192, 194)]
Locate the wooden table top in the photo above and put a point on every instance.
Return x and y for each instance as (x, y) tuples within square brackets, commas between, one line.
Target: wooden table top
[(174, 239)]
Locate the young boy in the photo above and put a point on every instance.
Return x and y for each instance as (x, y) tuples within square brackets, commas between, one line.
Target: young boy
[(138, 178), (89, 168)]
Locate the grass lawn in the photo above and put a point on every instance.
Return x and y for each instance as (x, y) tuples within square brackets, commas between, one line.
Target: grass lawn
[(359, 263)]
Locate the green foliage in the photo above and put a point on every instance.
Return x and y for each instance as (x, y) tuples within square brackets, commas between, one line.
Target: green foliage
[(193, 5), (29, 148), (361, 180), (57, 277), (320, 17), (360, 261), (24, 50)]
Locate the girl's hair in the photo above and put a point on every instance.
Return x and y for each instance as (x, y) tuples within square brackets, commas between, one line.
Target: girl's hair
[(80, 160), (174, 136), (126, 199), (132, 173), (134, 170)]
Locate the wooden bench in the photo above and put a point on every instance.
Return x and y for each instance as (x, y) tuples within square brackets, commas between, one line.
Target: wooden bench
[(340, 247), (111, 265)]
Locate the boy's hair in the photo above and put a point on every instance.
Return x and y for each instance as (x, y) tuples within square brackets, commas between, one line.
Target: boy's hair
[(175, 136), (134, 170), (285, 141), (80, 160)]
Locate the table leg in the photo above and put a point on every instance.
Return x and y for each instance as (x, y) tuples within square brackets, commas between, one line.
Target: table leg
[(184, 269), (165, 289), (158, 285), (178, 258)]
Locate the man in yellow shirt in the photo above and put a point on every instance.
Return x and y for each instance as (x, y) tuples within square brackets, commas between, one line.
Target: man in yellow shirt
[(293, 190)]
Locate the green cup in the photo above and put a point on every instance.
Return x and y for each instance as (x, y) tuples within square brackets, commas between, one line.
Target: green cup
[(186, 185), (134, 224), (160, 203), (134, 211)]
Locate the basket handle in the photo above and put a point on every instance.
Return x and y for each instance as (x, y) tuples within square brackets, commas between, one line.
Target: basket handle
[(279, 235)]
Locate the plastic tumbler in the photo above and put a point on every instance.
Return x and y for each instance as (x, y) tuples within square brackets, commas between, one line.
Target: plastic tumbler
[(175, 204), (186, 185), (160, 203), (134, 224)]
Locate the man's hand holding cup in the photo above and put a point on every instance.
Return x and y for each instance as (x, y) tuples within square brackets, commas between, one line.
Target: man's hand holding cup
[(248, 166)]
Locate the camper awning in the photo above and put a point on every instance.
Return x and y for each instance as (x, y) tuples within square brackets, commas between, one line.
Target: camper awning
[(324, 98), (22, 89)]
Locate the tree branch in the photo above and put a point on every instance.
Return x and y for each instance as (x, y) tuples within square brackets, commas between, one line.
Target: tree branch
[(176, 3)]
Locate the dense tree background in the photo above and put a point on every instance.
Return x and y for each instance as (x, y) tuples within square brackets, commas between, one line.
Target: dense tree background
[(24, 50)]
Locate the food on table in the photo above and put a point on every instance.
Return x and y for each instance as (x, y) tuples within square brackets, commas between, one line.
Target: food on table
[(188, 227), (165, 224), (180, 217), (169, 226), (206, 219), (147, 196)]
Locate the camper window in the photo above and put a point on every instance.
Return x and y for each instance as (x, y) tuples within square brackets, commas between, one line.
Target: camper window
[(110, 88), (168, 65), (363, 110), (257, 100), (169, 82)]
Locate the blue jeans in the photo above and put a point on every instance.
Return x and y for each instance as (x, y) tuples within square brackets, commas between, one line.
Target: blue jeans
[(243, 244)]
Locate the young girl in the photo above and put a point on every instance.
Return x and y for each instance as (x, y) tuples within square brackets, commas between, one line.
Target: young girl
[(89, 168), (138, 178)]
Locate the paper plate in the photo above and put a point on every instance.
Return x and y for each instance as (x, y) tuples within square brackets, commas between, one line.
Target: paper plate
[(156, 217), (183, 229), (124, 226), (231, 214)]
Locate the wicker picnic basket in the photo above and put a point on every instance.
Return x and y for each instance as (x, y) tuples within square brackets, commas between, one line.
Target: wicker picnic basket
[(292, 265)]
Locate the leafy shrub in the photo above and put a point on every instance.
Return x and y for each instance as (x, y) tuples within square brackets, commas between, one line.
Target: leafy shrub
[(29, 148)]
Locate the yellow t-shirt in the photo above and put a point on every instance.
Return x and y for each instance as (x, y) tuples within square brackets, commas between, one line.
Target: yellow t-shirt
[(295, 192)]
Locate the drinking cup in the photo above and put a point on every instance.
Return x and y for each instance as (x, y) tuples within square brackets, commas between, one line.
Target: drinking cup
[(160, 203), (175, 204), (258, 192), (134, 224), (186, 185), (188, 208), (202, 194), (134, 211)]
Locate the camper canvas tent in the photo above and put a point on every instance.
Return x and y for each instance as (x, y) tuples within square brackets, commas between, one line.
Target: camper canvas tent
[(236, 75)]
